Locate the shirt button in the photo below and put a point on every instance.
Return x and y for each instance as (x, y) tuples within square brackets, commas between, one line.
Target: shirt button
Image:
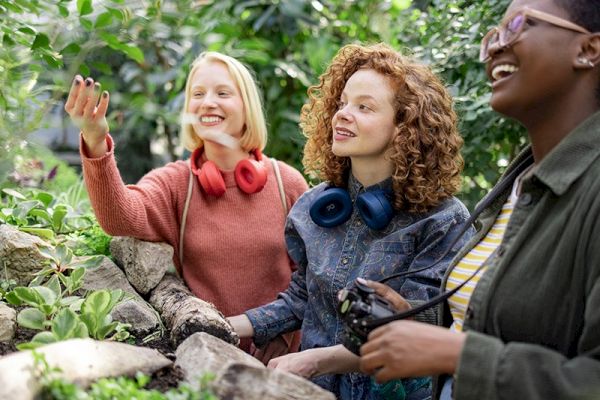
[(358, 223), (345, 260), (525, 199)]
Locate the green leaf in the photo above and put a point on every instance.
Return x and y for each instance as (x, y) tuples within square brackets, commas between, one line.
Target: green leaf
[(48, 296), (77, 274), (39, 213), (103, 20), (105, 330), (44, 338), (64, 324), (13, 299), (62, 253), (97, 303), (133, 52), (84, 7), (14, 194), (87, 24), (71, 48), (62, 10), (54, 285), (88, 262), (31, 318), (58, 216), (41, 41), (45, 197), (44, 233), (28, 296), (81, 331)]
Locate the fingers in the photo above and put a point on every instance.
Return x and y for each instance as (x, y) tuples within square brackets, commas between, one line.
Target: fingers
[(90, 105), (397, 301), (73, 93), (103, 105), (274, 363)]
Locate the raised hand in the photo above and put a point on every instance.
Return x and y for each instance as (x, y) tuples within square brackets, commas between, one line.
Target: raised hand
[(88, 114)]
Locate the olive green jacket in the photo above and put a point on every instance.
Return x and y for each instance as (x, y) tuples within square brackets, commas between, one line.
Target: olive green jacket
[(533, 322)]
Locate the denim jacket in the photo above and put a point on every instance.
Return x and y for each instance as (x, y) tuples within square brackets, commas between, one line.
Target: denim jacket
[(330, 259)]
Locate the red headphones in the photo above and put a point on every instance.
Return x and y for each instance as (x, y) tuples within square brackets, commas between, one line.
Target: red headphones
[(250, 175)]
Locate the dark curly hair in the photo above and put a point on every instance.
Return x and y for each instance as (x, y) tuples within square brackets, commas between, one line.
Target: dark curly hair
[(425, 152)]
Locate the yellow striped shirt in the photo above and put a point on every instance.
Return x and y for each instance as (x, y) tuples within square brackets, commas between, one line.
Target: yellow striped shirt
[(459, 301)]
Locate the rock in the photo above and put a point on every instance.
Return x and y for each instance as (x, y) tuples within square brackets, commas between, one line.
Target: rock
[(82, 361), (19, 254), (136, 312), (144, 263), (8, 323), (239, 375)]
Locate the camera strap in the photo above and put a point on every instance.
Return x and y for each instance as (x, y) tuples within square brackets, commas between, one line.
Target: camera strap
[(504, 184)]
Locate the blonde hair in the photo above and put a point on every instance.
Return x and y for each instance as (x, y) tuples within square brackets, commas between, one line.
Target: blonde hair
[(255, 134), (426, 150)]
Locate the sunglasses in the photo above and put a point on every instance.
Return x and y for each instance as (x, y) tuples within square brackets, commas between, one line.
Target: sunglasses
[(509, 31)]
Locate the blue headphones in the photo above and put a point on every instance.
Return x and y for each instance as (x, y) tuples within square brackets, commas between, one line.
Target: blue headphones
[(333, 207)]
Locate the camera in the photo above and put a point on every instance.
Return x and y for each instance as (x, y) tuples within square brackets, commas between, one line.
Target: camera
[(360, 307)]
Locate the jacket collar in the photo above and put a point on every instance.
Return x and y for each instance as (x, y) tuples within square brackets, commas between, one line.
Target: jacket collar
[(355, 187), (572, 157)]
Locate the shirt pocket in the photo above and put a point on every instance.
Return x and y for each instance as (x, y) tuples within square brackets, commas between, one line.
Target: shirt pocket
[(386, 257)]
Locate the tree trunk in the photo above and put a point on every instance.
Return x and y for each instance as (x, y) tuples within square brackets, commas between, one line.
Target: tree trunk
[(185, 314)]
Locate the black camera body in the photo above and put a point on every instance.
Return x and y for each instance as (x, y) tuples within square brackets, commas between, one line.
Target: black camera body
[(359, 307)]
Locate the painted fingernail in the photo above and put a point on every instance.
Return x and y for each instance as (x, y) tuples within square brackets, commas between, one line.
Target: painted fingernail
[(97, 87), (88, 82), (105, 94), (362, 281), (76, 81)]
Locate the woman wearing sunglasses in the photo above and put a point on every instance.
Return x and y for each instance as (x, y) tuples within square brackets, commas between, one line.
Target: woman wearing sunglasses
[(527, 326)]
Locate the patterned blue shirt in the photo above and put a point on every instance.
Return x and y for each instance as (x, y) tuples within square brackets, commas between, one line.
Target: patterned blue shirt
[(330, 259)]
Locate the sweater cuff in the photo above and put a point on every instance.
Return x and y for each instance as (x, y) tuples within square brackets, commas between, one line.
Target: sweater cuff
[(83, 150), (478, 367)]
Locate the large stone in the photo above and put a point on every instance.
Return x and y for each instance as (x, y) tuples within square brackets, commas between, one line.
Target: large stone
[(239, 375), (202, 353), (19, 254), (82, 361), (144, 263), (8, 323), (244, 382), (137, 311)]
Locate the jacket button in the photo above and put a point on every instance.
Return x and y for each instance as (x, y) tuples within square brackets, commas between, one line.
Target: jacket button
[(525, 199)]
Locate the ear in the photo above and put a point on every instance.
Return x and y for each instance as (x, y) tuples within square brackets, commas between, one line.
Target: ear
[(589, 52)]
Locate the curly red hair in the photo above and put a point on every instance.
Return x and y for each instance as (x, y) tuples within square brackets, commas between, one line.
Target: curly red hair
[(426, 151)]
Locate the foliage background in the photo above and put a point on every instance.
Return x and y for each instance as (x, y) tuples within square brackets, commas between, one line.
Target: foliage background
[(140, 51)]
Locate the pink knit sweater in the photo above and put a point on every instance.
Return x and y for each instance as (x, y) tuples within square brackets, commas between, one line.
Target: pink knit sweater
[(234, 250)]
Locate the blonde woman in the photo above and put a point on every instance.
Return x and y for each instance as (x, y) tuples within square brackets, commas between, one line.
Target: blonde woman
[(233, 216)]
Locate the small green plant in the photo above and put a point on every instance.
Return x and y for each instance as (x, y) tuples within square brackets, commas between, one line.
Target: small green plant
[(40, 213), (61, 318), (59, 261), (95, 314), (120, 388)]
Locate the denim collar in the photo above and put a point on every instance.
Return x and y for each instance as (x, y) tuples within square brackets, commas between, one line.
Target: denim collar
[(355, 187)]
